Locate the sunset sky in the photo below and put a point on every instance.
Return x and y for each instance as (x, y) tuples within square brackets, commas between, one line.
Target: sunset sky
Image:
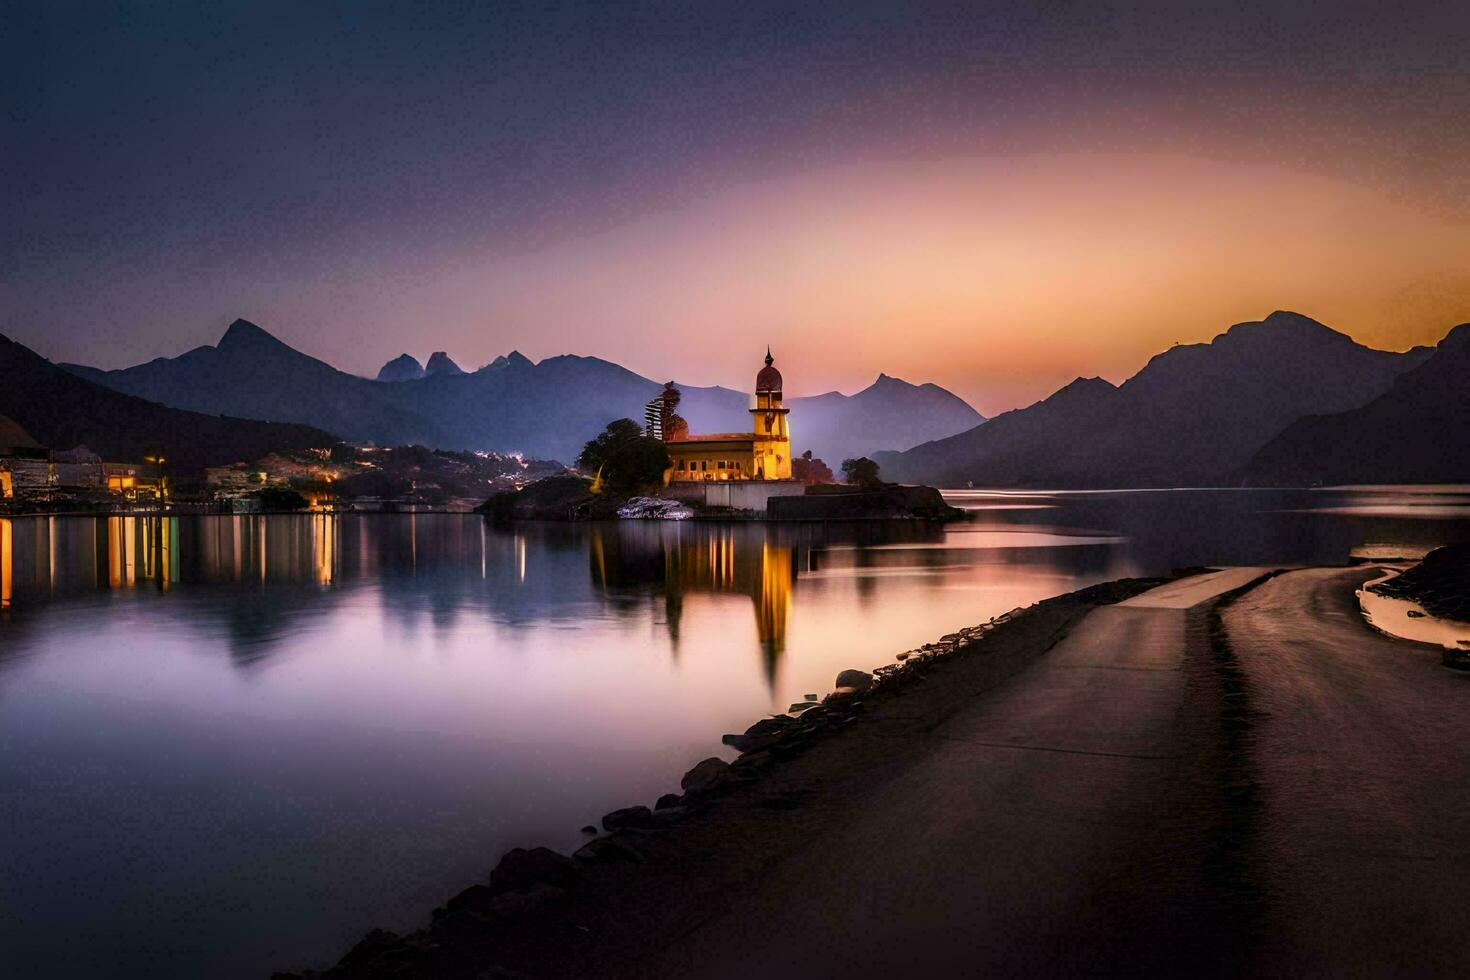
[(995, 198)]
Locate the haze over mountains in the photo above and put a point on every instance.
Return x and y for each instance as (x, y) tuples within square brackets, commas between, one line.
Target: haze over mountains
[(546, 409), (1212, 414)]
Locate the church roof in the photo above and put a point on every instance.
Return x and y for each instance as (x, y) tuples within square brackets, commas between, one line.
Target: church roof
[(714, 437), (769, 379)]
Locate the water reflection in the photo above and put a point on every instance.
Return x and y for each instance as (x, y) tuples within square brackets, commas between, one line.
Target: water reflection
[(670, 561)]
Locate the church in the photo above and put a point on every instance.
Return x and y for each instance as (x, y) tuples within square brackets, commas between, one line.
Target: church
[(763, 454)]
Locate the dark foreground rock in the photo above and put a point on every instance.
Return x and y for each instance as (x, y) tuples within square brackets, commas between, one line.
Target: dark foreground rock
[(566, 497), (841, 503), (632, 892), (1440, 583)]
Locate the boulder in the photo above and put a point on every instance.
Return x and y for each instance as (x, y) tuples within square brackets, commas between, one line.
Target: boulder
[(705, 776), (371, 946), (751, 743), (635, 817), (770, 726), (604, 850), (858, 680), (520, 869), (668, 800)]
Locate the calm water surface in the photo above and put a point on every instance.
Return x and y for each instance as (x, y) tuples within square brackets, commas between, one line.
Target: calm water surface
[(229, 744)]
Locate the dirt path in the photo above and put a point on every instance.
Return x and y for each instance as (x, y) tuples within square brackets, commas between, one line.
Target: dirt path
[(1360, 749), (1041, 834)]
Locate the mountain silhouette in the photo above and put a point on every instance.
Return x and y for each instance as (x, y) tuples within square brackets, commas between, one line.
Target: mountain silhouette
[(1194, 416), (404, 367), (251, 374), (63, 411), (1418, 431), (439, 363), (546, 409)]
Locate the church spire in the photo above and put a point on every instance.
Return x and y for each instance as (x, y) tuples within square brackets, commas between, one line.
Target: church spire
[(769, 359)]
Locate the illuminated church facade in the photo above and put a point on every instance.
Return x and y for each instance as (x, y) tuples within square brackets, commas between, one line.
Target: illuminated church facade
[(762, 454)]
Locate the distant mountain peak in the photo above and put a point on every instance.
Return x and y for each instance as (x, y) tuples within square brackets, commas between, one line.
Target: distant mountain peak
[(1284, 324), (243, 333), (440, 363), (1080, 390), (1457, 338), (516, 357), (404, 367)]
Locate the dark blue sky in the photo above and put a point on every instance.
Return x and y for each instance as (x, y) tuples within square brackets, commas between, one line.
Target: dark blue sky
[(170, 166)]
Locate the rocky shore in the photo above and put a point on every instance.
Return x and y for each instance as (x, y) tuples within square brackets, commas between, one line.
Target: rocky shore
[(654, 871), (1440, 583), (569, 497)]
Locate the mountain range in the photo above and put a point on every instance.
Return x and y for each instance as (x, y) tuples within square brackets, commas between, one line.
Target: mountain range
[(545, 409), (1418, 431), (1280, 401), (62, 411)]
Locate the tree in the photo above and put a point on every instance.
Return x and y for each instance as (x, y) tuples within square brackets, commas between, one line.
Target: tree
[(626, 458), (809, 469), (280, 498), (862, 472)]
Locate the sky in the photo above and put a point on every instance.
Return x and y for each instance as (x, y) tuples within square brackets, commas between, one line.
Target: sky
[(998, 198)]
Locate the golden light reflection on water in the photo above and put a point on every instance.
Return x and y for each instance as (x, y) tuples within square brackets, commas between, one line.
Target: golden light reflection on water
[(49, 556), (713, 559), (6, 563)]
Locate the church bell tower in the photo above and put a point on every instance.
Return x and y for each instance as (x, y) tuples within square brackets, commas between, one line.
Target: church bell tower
[(772, 435)]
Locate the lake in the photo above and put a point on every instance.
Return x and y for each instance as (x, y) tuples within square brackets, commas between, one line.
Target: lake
[(230, 744)]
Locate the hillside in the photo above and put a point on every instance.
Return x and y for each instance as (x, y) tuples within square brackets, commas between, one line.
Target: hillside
[(251, 374), (62, 411), (1416, 432), (1195, 414)]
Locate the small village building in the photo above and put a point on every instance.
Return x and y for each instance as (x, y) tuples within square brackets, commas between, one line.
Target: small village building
[(25, 466), (76, 469), (136, 481)]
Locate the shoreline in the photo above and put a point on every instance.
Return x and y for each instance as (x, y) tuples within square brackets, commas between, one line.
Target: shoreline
[(544, 913)]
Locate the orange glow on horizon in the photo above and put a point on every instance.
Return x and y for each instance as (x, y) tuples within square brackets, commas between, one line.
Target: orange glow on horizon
[(1001, 279)]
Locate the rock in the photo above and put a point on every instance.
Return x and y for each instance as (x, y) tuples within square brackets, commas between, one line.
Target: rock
[(370, 947), (604, 850), (668, 816), (809, 697), (858, 680), (521, 902), (705, 776), (770, 726), (798, 707), (903, 656), (635, 817), (843, 692), (476, 898), (668, 800), (520, 869), (589, 829), (751, 743)]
